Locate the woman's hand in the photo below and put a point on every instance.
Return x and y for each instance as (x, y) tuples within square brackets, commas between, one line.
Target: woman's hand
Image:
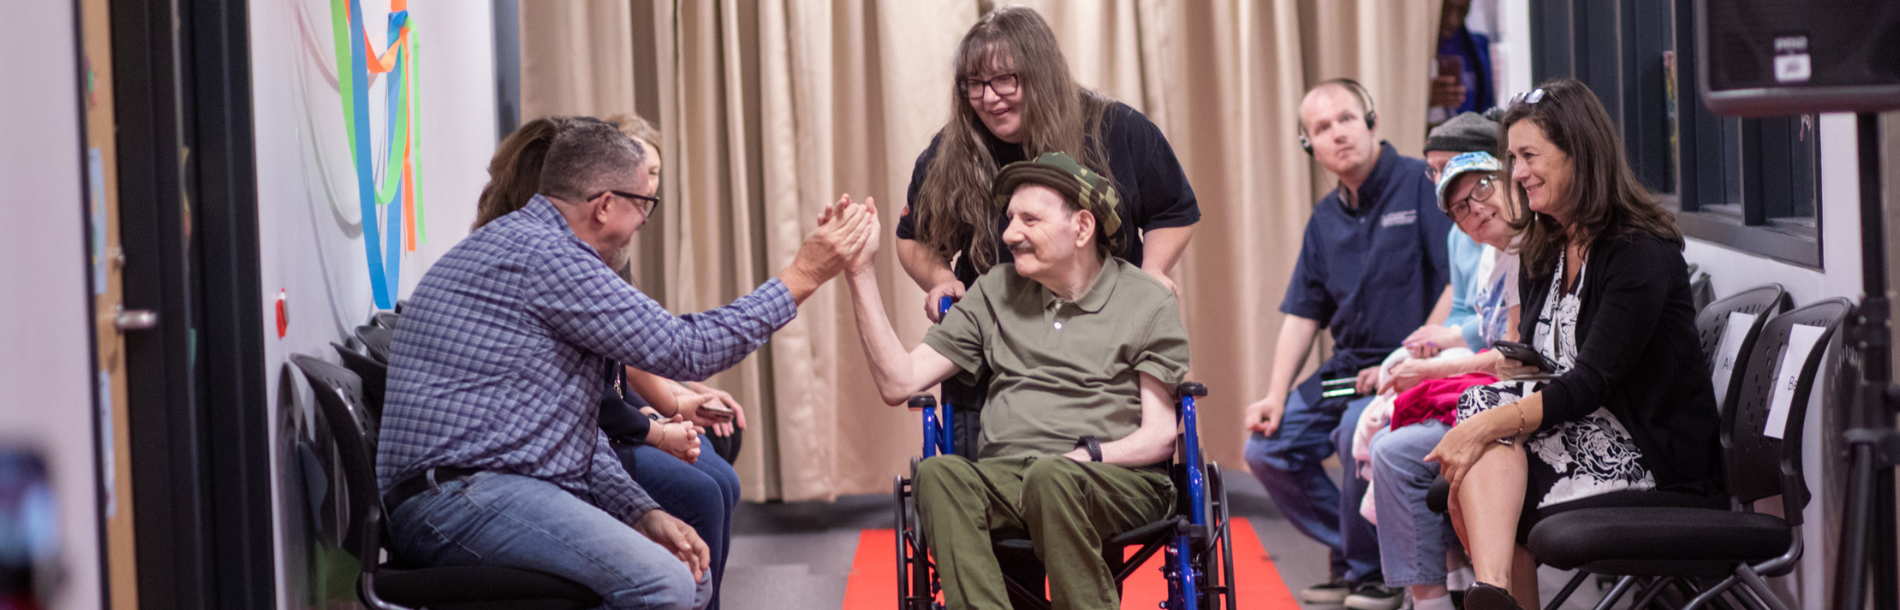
[(724, 398), (1466, 441), (953, 289), (1430, 339), (701, 409), (1408, 374), (679, 438), (1508, 368)]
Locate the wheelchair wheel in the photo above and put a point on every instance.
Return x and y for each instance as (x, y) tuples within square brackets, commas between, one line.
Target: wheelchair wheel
[(916, 583), (898, 493), (1222, 539)]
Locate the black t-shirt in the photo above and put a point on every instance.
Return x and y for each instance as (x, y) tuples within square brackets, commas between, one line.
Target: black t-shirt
[(1154, 191)]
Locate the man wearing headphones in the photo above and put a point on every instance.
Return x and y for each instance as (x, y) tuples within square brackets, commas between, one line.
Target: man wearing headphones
[(1371, 267)]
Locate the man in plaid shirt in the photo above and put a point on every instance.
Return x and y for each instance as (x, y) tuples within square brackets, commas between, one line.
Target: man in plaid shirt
[(490, 450)]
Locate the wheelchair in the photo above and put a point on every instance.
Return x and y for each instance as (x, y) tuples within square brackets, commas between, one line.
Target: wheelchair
[(1199, 568)]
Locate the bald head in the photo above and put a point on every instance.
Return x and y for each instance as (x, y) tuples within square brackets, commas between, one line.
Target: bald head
[(1334, 118)]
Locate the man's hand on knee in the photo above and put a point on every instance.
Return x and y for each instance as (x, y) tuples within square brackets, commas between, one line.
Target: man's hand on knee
[(678, 538)]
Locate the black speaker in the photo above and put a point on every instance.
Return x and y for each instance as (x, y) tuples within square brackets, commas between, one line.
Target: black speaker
[(1780, 57)]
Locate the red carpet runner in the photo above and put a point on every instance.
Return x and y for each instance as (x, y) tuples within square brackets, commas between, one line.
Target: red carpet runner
[(873, 584)]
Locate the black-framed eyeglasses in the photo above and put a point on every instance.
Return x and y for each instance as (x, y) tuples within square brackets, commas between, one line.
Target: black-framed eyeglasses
[(1004, 86), (646, 205), (1482, 192)]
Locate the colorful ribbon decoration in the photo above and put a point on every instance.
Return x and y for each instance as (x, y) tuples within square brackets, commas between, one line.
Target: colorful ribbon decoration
[(401, 225)]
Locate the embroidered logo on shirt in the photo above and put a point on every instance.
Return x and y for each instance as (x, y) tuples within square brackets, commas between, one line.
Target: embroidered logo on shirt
[(1394, 219)]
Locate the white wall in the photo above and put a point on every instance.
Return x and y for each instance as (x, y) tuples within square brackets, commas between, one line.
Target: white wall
[(308, 212), (46, 366), (1731, 271), (1511, 48)]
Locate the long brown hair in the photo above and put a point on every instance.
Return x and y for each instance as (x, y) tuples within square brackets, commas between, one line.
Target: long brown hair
[(514, 174), (954, 202), (1609, 199)]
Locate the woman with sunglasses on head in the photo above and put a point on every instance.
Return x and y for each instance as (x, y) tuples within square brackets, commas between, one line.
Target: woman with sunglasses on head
[(655, 425), (1626, 416)]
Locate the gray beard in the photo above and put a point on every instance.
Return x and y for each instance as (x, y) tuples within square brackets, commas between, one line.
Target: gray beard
[(619, 258)]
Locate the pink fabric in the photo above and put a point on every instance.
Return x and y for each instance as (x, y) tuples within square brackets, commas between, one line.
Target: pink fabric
[(1435, 399)]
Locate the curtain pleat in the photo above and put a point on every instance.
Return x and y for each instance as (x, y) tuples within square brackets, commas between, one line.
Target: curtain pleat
[(770, 109)]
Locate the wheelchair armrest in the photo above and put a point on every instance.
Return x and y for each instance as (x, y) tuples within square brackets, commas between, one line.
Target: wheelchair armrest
[(923, 401), (1188, 388)]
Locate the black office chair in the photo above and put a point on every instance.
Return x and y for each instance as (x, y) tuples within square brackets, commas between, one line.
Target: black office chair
[(374, 375), (384, 319), (375, 339), (1678, 546), (392, 586), (1764, 301)]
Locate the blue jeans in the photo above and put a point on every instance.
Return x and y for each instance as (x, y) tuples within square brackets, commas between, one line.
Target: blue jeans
[(510, 520), (1288, 464), (702, 494), (1413, 537)]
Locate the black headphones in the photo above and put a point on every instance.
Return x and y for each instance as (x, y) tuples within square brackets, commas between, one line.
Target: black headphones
[(1365, 101)]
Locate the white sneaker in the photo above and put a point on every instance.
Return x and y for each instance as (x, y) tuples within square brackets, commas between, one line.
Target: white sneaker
[(1330, 593)]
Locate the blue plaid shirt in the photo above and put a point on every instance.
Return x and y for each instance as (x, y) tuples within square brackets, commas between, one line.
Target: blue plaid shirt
[(499, 359)]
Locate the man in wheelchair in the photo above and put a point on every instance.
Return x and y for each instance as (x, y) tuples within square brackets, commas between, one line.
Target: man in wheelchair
[(1079, 424)]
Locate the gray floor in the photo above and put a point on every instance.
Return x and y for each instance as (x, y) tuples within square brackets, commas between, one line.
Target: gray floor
[(798, 556)]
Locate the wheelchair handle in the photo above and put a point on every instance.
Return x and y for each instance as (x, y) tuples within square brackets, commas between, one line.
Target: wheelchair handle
[(943, 305), (1190, 388), (923, 401)]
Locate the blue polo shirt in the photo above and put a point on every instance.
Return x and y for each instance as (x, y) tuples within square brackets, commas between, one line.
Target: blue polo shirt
[(1371, 273)]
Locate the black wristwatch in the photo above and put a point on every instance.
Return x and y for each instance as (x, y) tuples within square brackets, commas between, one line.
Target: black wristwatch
[(1094, 446)]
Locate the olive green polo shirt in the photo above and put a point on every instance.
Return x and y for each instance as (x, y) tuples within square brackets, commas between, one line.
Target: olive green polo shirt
[(1062, 369)]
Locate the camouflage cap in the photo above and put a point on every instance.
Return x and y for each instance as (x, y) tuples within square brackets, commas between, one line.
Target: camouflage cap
[(1085, 189)]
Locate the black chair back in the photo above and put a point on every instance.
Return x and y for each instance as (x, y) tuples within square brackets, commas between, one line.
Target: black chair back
[(1712, 322), (1760, 466), (374, 375), (384, 319), (376, 339), (339, 399)]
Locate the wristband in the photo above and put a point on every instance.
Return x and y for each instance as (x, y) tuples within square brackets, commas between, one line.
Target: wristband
[(1094, 446)]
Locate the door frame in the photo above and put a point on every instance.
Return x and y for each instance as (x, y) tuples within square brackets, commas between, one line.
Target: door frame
[(200, 435)]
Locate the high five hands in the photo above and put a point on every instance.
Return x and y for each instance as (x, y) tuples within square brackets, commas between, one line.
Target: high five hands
[(845, 229), (862, 261)]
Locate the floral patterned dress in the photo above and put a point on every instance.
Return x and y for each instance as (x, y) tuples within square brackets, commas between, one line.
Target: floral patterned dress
[(1573, 460)]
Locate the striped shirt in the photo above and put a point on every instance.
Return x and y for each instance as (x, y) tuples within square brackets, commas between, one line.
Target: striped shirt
[(499, 358)]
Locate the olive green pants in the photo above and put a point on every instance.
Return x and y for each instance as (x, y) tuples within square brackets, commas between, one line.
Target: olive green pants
[(1067, 508)]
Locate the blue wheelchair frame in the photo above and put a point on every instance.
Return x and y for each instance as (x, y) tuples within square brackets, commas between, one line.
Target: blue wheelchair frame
[(1193, 581)]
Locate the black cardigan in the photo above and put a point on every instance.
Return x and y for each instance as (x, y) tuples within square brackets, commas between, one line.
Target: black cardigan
[(1645, 364)]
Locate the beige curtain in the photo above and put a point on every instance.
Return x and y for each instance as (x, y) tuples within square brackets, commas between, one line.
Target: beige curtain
[(770, 109)]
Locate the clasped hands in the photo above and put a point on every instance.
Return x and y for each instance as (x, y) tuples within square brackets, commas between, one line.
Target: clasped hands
[(845, 240)]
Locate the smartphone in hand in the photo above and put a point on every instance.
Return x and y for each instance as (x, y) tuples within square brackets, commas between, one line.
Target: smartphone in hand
[(1525, 354), (718, 411), (1451, 65)]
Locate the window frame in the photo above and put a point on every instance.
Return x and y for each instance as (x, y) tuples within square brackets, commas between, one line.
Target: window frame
[(1617, 48)]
